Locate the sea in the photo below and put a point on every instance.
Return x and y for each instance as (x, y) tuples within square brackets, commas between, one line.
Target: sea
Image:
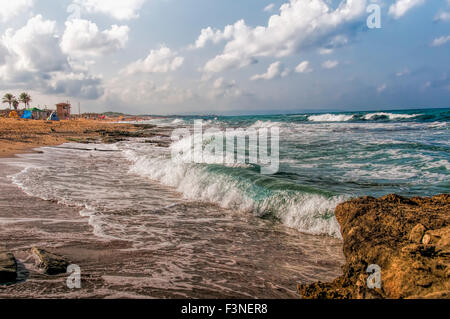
[(325, 159), (211, 219)]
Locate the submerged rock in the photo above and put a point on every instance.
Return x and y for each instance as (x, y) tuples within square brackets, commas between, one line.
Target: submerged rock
[(409, 239), (8, 268), (51, 264)]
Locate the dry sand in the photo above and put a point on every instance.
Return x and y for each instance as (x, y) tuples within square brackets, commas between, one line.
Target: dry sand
[(21, 136)]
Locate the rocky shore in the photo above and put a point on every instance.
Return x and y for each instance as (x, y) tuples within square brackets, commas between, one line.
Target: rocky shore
[(406, 241)]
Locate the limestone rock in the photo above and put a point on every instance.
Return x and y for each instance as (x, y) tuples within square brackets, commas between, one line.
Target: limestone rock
[(409, 239), (51, 264)]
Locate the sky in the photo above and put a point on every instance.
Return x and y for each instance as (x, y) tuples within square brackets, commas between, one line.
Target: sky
[(227, 57)]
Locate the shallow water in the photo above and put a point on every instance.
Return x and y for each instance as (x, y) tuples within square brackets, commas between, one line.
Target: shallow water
[(196, 230), (325, 159), (148, 241)]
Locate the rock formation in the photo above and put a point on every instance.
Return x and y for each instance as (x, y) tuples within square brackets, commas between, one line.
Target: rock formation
[(51, 264), (409, 239)]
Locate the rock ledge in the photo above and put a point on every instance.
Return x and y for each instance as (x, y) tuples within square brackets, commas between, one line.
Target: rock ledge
[(409, 239)]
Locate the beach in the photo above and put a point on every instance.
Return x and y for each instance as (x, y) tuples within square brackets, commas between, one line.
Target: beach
[(112, 201), (223, 254), (277, 152), (21, 136)]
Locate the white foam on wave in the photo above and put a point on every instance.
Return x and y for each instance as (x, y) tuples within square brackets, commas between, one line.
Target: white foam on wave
[(367, 117), (307, 212), (391, 116), (178, 121), (189, 148), (330, 118), (28, 182), (266, 124), (35, 180)]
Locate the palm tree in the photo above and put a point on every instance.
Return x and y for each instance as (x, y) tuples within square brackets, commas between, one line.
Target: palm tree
[(25, 98), (15, 104), (8, 98)]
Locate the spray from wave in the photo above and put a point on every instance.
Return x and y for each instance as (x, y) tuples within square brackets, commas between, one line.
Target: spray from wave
[(304, 208)]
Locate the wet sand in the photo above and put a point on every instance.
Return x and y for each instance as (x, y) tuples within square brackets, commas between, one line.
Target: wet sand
[(258, 259)]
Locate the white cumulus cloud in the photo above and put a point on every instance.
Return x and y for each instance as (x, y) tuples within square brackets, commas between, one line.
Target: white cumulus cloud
[(158, 61), (118, 9), (275, 70), (300, 24), (82, 38), (401, 7), (11, 8), (222, 88), (269, 7), (303, 67), (34, 47), (34, 59), (441, 41), (129, 91)]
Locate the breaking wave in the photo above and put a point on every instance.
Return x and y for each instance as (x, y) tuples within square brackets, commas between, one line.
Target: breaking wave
[(390, 116), (360, 117), (330, 118), (304, 208)]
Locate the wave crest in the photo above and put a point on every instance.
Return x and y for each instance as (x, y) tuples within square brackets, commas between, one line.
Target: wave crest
[(309, 212)]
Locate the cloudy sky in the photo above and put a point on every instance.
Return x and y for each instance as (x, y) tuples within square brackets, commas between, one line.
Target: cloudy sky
[(226, 57)]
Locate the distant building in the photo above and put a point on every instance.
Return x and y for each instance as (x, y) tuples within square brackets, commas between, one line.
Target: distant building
[(63, 110), (90, 116)]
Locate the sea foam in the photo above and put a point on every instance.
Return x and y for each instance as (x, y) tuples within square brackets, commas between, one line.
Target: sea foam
[(309, 212)]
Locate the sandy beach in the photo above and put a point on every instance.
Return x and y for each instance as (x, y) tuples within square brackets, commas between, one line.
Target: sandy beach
[(21, 136), (146, 239), (221, 255)]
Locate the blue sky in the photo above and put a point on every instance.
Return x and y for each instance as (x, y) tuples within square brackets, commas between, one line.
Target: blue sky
[(226, 57)]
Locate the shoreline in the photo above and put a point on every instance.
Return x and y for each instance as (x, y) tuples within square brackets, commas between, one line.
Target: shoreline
[(19, 136), (363, 243), (114, 269)]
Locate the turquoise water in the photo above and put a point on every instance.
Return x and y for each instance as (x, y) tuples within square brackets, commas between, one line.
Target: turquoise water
[(354, 153), (325, 159)]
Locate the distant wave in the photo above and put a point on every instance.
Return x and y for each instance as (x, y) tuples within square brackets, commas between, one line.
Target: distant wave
[(355, 117), (391, 116), (330, 118), (178, 121)]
